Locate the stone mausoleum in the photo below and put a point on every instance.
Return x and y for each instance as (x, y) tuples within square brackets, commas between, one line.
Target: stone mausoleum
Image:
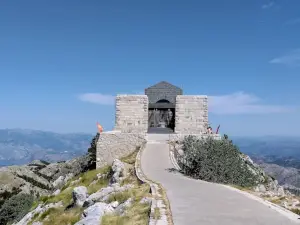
[(162, 109)]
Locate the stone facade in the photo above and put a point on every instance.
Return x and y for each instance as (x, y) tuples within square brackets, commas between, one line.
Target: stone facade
[(162, 91), (191, 114), (115, 145), (131, 113)]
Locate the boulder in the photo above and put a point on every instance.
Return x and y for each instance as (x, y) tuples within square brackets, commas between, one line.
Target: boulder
[(56, 192), (122, 207), (79, 195), (104, 193), (118, 169), (93, 214)]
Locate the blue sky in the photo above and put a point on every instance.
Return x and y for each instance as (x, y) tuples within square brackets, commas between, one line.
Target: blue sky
[(61, 62)]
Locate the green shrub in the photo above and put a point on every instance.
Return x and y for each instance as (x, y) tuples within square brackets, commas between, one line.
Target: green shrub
[(92, 150), (15, 208), (215, 161)]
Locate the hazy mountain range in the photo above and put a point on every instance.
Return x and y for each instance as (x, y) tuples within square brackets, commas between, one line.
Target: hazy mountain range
[(279, 156), (21, 146)]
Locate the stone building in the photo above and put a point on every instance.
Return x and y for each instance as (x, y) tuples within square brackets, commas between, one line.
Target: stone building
[(162, 109)]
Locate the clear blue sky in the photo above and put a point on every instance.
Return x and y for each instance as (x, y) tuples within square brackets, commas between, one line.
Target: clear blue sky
[(61, 61)]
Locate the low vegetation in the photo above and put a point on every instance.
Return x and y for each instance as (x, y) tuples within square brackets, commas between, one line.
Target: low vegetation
[(15, 208), (137, 213), (215, 161)]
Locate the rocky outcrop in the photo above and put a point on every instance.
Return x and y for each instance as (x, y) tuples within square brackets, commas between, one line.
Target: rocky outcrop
[(39, 178), (97, 204), (39, 210)]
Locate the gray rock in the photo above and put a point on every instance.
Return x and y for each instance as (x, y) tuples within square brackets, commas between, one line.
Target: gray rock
[(37, 223), (93, 214), (281, 191), (58, 182), (56, 192), (104, 193), (146, 200), (39, 210), (122, 207), (114, 204), (79, 195), (118, 168), (260, 188)]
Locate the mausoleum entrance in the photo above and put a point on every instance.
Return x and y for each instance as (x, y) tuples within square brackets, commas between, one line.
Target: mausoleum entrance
[(161, 115), (161, 109)]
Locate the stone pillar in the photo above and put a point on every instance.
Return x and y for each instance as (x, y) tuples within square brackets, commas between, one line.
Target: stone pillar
[(132, 113), (191, 115)]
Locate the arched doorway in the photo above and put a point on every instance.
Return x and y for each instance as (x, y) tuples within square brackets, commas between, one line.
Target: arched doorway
[(161, 115)]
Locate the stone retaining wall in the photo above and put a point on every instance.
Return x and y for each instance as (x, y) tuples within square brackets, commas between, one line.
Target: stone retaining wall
[(191, 115), (115, 144)]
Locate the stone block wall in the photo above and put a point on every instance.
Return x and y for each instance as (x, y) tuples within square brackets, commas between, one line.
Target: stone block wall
[(191, 116), (131, 113), (115, 145)]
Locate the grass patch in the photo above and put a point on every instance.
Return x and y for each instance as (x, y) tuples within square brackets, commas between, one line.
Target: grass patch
[(130, 159), (58, 216), (247, 189), (297, 211), (65, 196), (34, 205), (137, 214), (87, 177), (156, 213), (103, 182), (277, 200), (136, 193)]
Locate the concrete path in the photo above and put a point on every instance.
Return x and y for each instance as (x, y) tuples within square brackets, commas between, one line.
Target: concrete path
[(195, 202)]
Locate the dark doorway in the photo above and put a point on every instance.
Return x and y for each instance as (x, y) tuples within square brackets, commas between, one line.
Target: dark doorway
[(161, 115)]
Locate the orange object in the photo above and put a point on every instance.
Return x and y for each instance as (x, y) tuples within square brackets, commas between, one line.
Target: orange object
[(100, 128)]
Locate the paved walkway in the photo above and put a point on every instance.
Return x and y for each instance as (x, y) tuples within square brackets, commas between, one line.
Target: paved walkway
[(195, 202)]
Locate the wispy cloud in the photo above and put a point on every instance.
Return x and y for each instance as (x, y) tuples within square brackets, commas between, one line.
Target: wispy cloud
[(268, 5), (290, 59), (97, 98), (243, 103), (236, 103), (293, 21)]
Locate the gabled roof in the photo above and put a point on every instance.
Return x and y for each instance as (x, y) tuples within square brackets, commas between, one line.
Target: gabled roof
[(164, 84)]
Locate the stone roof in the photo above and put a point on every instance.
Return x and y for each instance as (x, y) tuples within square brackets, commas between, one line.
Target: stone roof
[(164, 85)]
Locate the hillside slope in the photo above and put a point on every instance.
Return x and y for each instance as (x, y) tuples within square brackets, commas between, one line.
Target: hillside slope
[(19, 146)]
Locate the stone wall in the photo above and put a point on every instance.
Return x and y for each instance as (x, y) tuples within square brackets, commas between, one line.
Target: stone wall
[(131, 113), (191, 116), (115, 144)]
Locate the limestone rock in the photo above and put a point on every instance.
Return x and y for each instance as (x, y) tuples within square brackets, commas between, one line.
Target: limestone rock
[(146, 200), (94, 213), (104, 193), (56, 192), (58, 182), (37, 223), (79, 195), (122, 207), (114, 204), (39, 210), (118, 168)]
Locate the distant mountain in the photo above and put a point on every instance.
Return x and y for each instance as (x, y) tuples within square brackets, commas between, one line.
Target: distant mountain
[(21, 146), (278, 156)]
